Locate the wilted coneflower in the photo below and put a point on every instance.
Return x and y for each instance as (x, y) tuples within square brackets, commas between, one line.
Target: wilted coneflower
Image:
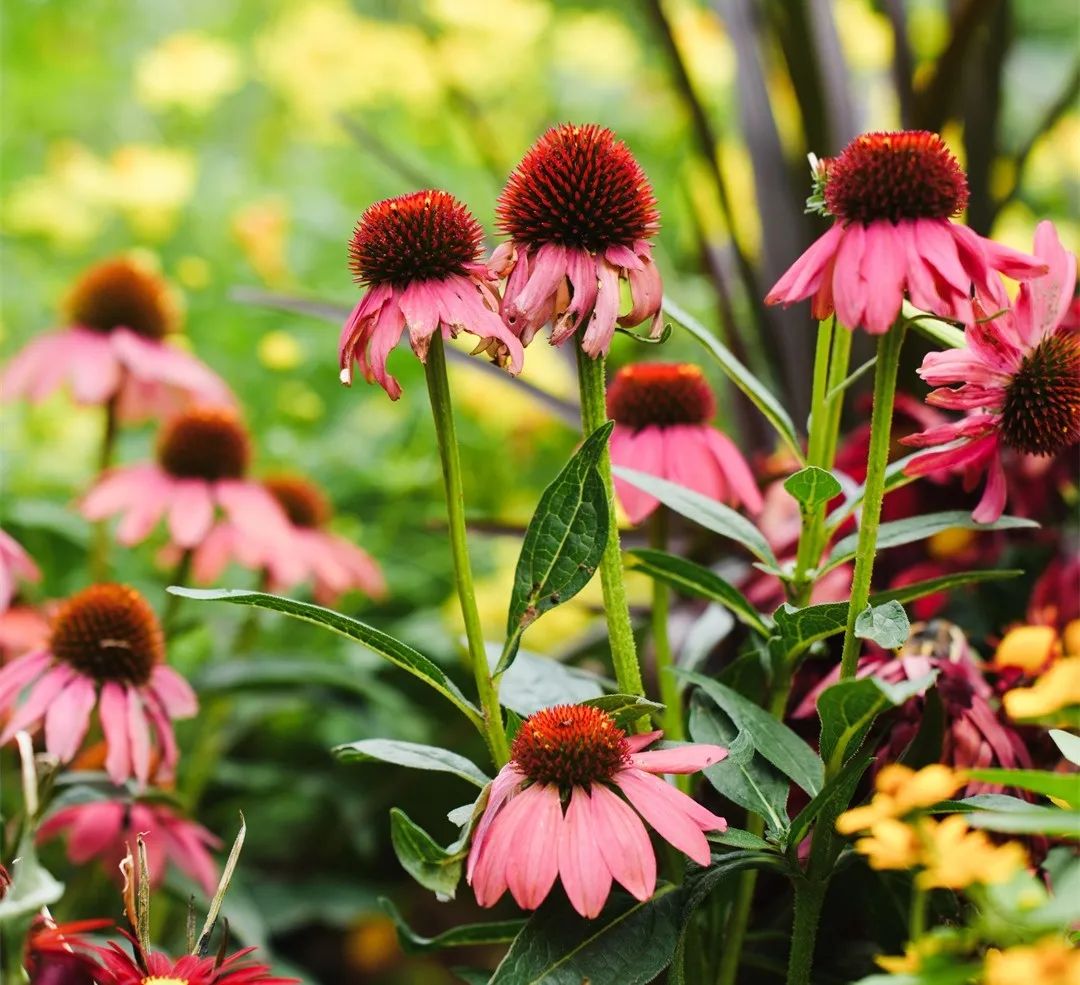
[(104, 829), (202, 459), (892, 196), (15, 564), (115, 349), (662, 414), (106, 651), (580, 213), (1019, 375), (418, 256), (576, 755)]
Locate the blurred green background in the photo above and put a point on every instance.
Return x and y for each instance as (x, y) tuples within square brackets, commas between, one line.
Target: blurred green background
[(235, 142)]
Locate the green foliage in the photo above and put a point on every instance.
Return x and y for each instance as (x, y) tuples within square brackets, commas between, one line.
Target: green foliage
[(412, 755), (434, 867), (886, 625), (465, 935), (812, 487)]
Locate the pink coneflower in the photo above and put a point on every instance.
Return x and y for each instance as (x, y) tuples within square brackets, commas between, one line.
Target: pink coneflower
[(115, 349), (1019, 377), (106, 651), (575, 756), (892, 196), (202, 457), (155, 968), (104, 829), (419, 257), (580, 213), (15, 564), (662, 414)]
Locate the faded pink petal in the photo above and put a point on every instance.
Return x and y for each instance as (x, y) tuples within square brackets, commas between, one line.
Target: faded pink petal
[(584, 874), (664, 814), (804, 276), (41, 695), (533, 862), (174, 692), (139, 735), (191, 512), (643, 451), (68, 718), (736, 470), (689, 758), (505, 784), (992, 504), (624, 843), (489, 878), (14, 676), (113, 713)]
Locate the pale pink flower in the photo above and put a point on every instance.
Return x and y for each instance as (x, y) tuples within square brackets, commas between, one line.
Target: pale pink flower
[(418, 255), (104, 830), (202, 458), (15, 565), (570, 805), (662, 414), (115, 349), (1019, 379), (892, 196), (580, 213), (106, 652)]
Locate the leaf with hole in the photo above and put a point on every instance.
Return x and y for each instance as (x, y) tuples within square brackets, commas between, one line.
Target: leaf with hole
[(886, 625)]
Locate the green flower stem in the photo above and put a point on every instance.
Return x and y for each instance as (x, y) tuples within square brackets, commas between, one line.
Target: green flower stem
[(920, 904), (99, 551), (889, 346), (620, 631), (661, 596), (809, 897), (443, 414)]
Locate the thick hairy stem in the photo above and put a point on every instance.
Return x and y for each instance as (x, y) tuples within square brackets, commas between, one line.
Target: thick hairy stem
[(809, 897)]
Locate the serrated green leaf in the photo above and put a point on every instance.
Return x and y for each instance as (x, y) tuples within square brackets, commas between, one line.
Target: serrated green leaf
[(759, 394), (770, 737), (1062, 786), (413, 755), (812, 487), (709, 513), (563, 543), (629, 943), (1068, 743), (467, 935), (400, 654), (694, 579), (886, 625), (625, 708)]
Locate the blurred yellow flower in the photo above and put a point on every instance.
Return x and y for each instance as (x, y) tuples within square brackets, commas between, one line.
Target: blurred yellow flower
[(1057, 689), (596, 45), (371, 946), (193, 272), (947, 544), (261, 229), (1027, 647), (901, 790), (1051, 961), (1070, 639), (279, 350), (891, 845), (150, 184), (954, 856), (911, 960), (189, 70)]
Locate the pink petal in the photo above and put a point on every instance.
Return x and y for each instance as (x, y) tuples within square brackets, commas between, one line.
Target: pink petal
[(992, 504), (41, 695), (139, 731), (646, 293), (850, 291), (664, 814), (173, 691), (187, 844), (585, 876), (643, 451), (68, 718), (638, 742), (112, 710), (191, 513), (489, 875), (533, 862), (156, 361), (883, 269), (624, 842), (118, 490), (805, 275), (16, 675), (505, 784), (681, 759), (1043, 301), (421, 315), (95, 828), (969, 454), (936, 243), (95, 375), (44, 358), (689, 462), (601, 327), (736, 470)]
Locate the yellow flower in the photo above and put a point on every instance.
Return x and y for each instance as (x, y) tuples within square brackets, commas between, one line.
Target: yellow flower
[(1070, 639), (881, 808), (891, 845), (149, 185), (1055, 690), (189, 70), (1028, 647), (261, 229), (901, 790), (955, 856), (279, 350), (911, 961), (1051, 961)]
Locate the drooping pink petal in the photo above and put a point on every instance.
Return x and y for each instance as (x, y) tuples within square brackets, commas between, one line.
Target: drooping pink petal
[(646, 294), (139, 733), (505, 784), (939, 247), (601, 326), (15, 675), (681, 759), (736, 470), (421, 313), (95, 375), (187, 844), (120, 489), (93, 828), (584, 873), (68, 718), (805, 275), (992, 504), (688, 461), (533, 862), (1044, 301), (113, 713), (174, 692), (191, 512), (972, 453), (850, 291), (636, 743), (663, 813), (883, 271), (624, 842), (41, 695), (643, 451), (583, 271), (489, 875), (157, 361)]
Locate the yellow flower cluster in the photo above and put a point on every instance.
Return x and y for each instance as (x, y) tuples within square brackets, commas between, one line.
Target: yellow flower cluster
[(901, 790), (1051, 961), (1054, 691), (189, 70)]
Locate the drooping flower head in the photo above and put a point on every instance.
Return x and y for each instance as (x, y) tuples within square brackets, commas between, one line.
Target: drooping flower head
[(1018, 376), (15, 565), (662, 414), (418, 257), (893, 196), (106, 652), (203, 456), (580, 213), (570, 804), (119, 315), (102, 830)]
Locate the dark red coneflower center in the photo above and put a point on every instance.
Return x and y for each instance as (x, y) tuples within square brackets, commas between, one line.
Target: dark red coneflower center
[(204, 443), (303, 502), (110, 633), (1041, 412), (570, 745), (909, 174), (426, 235), (660, 394), (122, 294), (578, 186)]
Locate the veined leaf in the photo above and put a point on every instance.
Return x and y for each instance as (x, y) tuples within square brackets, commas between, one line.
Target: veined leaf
[(563, 543), (1062, 786), (400, 654), (1035, 820), (413, 755), (32, 886), (434, 867), (694, 579), (625, 708), (467, 935), (839, 789), (886, 625), (533, 682), (812, 487)]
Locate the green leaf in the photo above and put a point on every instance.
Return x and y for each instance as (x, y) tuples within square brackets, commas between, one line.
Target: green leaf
[(1068, 743), (400, 654), (724, 865), (759, 394), (412, 755), (434, 867), (743, 776), (467, 935), (629, 943), (895, 477), (941, 332), (625, 708), (694, 579), (848, 709), (737, 838), (533, 682), (32, 886), (771, 737), (916, 528), (838, 788), (563, 543), (886, 625), (1035, 820), (1063, 786), (703, 510), (812, 487)]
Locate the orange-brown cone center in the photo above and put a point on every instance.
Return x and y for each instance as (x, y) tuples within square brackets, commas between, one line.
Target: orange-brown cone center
[(570, 745), (122, 294), (660, 394), (1041, 413), (303, 502), (204, 443)]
